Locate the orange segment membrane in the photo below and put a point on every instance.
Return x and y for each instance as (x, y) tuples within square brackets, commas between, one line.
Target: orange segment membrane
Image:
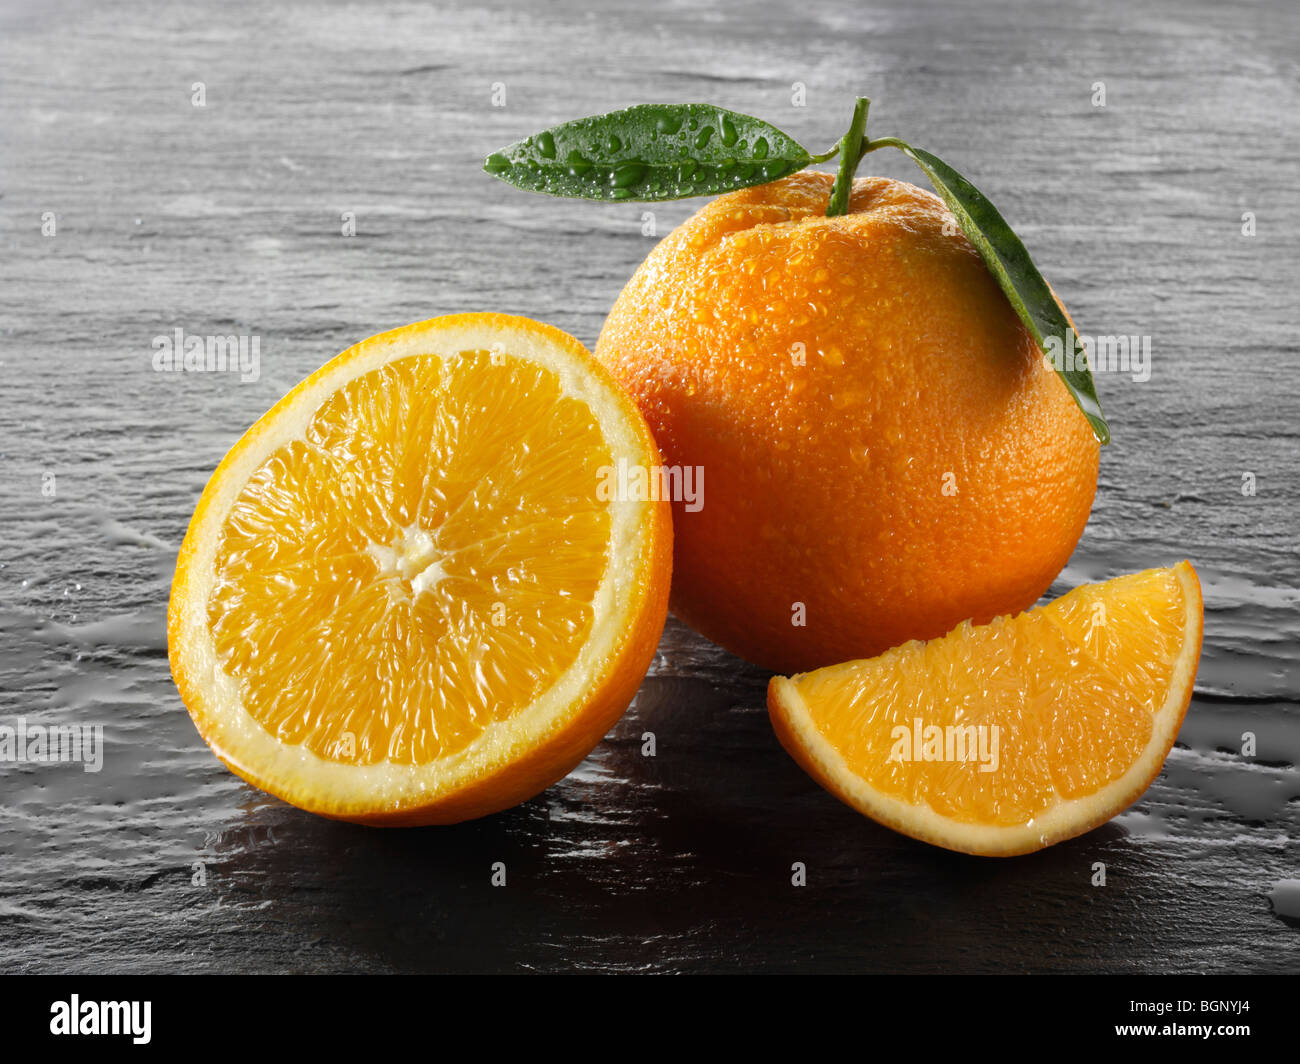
[(1072, 688), (422, 564)]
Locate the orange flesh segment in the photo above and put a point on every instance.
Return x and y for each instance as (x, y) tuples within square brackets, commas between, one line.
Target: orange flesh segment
[(1072, 687), (421, 564)]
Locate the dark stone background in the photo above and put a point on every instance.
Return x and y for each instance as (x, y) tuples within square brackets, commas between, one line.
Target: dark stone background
[(227, 218)]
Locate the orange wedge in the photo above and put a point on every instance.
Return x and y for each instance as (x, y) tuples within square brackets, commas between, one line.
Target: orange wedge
[(409, 595), (1011, 736)]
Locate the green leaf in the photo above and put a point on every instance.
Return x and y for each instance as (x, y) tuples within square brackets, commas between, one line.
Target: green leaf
[(650, 152), (1015, 271)]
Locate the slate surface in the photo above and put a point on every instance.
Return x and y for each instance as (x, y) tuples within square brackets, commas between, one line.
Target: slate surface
[(228, 217)]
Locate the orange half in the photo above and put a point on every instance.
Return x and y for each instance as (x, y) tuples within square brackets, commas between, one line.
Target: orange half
[(408, 595), (1003, 738)]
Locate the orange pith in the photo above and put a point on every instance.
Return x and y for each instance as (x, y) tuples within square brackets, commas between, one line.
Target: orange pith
[(1083, 698), (403, 597)]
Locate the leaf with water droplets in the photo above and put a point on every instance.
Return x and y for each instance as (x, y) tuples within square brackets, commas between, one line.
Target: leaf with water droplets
[(1025, 288), (650, 152)]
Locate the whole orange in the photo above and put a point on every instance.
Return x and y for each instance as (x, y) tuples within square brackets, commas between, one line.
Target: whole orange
[(884, 451)]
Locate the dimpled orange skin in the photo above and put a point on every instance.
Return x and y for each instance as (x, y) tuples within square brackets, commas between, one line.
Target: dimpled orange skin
[(881, 440)]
